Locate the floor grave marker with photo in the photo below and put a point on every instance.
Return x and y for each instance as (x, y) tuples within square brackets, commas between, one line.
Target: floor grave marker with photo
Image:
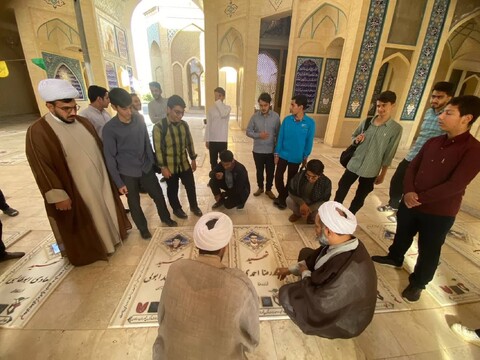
[(448, 287), (28, 283)]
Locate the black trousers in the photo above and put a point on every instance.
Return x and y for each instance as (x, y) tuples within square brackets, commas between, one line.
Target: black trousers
[(3, 203), (172, 189), (365, 187), (149, 183), (214, 149), (231, 198), (396, 184), (432, 231), (2, 245), (282, 188), (264, 162)]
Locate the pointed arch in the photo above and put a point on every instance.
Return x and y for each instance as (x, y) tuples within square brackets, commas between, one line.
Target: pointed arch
[(325, 12)]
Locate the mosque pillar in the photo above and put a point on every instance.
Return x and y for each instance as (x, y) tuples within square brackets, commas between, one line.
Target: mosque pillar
[(360, 61), (425, 63), (211, 50)]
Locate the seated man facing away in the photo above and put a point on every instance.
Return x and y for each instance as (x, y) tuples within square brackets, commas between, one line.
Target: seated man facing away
[(308, 190), (231, 176), (207, 310), (337, 294)]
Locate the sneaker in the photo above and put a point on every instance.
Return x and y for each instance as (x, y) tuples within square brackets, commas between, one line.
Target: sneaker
[(145, 234), (466, 333), (11, 255), (258, 192), (387, 261), (270, 194), (10, 212), (180, 213), (170, 223), (218, 204), (385, 208), (392, 218), (197, 211), (411, 293), (294, 217)]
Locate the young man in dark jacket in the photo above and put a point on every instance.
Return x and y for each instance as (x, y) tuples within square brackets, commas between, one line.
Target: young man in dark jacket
[(232, 177), (308, 189)]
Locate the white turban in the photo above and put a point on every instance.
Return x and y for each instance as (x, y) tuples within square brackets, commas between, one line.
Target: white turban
[(56, 89), (334, 220), (218, 236)]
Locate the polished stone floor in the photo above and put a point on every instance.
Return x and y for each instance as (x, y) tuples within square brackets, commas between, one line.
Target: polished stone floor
[(73, 322)]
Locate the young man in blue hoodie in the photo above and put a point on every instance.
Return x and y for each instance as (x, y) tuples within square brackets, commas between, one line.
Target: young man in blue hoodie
[(294, 145)]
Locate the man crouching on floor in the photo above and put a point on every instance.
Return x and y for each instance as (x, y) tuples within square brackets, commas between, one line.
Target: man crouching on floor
[(337, 294)]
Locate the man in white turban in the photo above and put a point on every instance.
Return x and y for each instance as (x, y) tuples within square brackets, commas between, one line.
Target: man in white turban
[(66, 158), (207, 310), (337, 293)]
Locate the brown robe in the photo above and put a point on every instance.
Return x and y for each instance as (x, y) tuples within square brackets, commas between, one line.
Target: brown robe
[(338, 300), (74, 230)]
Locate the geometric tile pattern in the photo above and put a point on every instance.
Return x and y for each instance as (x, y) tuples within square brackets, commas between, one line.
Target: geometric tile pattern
[(427, 55), (307, 76), (328, 86), (366, 58), (153, 34)]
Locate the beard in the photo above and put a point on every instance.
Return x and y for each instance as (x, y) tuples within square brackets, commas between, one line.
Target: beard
[(67, 120)]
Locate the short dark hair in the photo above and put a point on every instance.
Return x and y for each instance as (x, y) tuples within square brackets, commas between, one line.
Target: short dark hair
[(220, 90), (265, 97), (467, 105), (315, 166), (155, 84), (120, 97), (175, 100), (134, 94), (226, 156), (95, 91), (445, 86), (387, 96), (301, 99)]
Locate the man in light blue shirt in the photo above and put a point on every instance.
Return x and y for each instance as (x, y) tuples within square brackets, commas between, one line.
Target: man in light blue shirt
[(294, 145), (263, 129), (441, 95)]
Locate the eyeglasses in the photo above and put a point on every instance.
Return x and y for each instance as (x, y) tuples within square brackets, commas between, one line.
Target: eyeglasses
[(311, 177), (69, 109), (179, 112)]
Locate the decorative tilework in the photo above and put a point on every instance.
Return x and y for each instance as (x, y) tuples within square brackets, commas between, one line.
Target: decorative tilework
[(153, 35), (55, 3), (378, 88), (328, 86), (307, 76), (276, 4), (171, 34), (366, 58), (61, 67), (231, 9), (427, 54)]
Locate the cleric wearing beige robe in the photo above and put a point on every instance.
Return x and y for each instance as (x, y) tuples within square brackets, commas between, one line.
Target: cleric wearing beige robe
[(65, 155), (207, 310)]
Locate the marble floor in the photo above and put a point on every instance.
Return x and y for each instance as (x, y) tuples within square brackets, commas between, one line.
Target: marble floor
[(73, 322)]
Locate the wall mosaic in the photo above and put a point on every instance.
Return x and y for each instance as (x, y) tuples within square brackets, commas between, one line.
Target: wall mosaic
[(366, 58), (425, 61), (328, 86), (61, 67), (153, 34), (382, 73), (107, 30), (307, 76), (111, 72), (114, 8)]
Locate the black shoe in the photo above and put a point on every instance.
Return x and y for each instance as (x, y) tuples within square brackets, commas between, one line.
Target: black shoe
[(411, 293), (387, 261), (241, 206), (218, 204), (180, 214), (10, 212), (127, 211), (11, 255), (170, 223), (197, 212), (145, 234), (276, 201)]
